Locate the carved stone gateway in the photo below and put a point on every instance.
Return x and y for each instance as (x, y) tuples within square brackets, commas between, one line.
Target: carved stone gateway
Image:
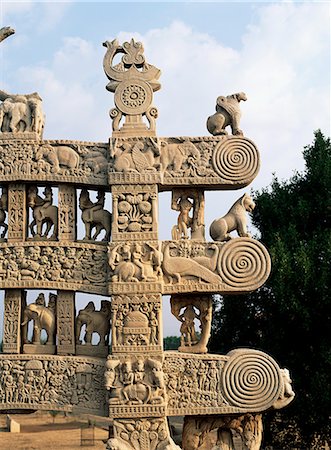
[(109, 359)]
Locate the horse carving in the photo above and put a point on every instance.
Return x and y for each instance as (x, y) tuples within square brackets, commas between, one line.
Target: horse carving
[(43, 212), (94, 216)]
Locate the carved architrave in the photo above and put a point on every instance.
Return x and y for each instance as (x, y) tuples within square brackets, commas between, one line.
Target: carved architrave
[(136, 324), (11, 341), (242, 381), (240, 265), (59, 161), (136, 386), (134, 213), (67, 212), (134, 160), (74, 266), (231, 162), (16, 212), (59, 383), (135, 267), (145, 433), (65, 318), (228, 162)]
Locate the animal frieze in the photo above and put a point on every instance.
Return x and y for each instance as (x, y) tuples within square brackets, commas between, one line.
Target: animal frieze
[(59, 161)]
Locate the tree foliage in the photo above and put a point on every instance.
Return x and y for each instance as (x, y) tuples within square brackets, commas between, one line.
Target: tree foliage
[(290, 316)]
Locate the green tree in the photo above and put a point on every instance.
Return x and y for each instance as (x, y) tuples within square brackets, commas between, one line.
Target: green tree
[(290, 316), (171, 342)]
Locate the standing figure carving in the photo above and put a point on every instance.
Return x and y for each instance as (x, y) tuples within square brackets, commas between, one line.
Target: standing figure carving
[(3, 211), (43, 319), (43, 212), (94, 215), (227, 114)]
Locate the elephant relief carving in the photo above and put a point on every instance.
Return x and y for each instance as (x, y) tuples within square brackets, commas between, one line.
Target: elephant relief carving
[(95, 322), (43, 317), (58, 156), (227, 114), (235, 219), (173, 155)]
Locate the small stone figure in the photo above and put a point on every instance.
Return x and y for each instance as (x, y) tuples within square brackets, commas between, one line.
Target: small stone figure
[(227, 113), (3, 211), (43, 212), (184, 221), (43, 317), (21, 113), (235, 219), (95, 322), (187, 330), (94, 216)]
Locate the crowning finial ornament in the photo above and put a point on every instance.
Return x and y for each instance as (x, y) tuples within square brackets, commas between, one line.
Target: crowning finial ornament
[(133, 82)]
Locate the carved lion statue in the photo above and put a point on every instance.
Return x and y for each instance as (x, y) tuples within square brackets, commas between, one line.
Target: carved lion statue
[(235, 219), (227, 113)]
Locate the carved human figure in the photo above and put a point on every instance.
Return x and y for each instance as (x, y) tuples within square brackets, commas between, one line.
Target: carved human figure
[(187, 329), (227, 114), (3, 211), (94, 215), (43, 319), (95, 322), (234, 220), (43, 212), (184, 221)]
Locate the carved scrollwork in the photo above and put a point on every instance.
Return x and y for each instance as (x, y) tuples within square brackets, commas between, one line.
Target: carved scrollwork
[(251, 380), (244, 264), (236, 160)]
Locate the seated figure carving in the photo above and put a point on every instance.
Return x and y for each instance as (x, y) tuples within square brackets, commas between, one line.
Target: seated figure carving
[(235, 219), (227, 114)]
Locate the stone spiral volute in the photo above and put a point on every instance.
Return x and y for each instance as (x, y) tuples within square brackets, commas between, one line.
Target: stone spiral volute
[(244, 264), (252, 380), (236, 159)]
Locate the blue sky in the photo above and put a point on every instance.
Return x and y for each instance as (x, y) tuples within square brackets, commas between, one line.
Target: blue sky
[(276, 52)]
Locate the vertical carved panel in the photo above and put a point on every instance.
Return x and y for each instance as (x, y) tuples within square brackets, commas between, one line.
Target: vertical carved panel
[(65, 309), (67, 212), (12, 321), (16, 212), (136, 324)]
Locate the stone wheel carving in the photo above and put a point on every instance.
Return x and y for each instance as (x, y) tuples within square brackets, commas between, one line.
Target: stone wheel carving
[(251, 380), (133, 97), (244, 264), (236, 158)]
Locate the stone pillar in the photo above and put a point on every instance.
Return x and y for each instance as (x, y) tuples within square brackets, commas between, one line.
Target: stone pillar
[(67, 212), (65, 314), (17, 212), (12, 321)]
